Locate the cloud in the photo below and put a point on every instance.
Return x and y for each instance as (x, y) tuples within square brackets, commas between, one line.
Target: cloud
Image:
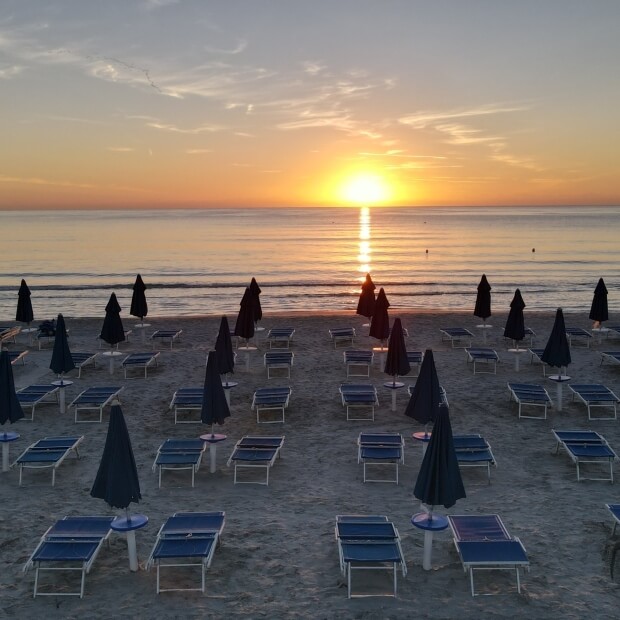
[(237, 49), (421, 120), (40, 181), (120, 149), (10, 72), (189, 130), (198, 151)]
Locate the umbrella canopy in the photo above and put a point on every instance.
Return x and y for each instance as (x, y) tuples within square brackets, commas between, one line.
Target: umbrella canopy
[(257, 311), (62, 361), (439, 481), (380, 322), (396, 362), (483, 299), (366, 302), (599, 311), (24, 312), (214, 406), (117, 478), (10, 409), (112, 331), (557, 351), (224, 349), (139, 307), (244, 327), (426, 395), (515, 323)]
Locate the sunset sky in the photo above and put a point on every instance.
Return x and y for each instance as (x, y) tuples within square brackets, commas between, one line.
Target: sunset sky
[(190, 103)]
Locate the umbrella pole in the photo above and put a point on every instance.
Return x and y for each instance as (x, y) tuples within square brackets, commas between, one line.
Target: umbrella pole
[(131, 545)]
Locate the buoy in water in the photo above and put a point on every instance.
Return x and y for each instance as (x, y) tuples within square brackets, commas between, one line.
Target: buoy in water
[(533, 249)]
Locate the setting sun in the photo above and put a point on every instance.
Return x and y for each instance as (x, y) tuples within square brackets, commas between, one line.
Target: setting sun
[(365, 189)]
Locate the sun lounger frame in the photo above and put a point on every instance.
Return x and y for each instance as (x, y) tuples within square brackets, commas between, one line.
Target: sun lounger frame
[(361, 360), (95, 398), (595, 395), (280, 336), (415, 359), (456, 335), (380, 450), (357, 396), (33, 395), (140, 361), (80, 360), (279, 359), (187, 399), (341, 335), (269, 400), (530, 394), (179, 454), (18, 356), (473, 450), (578, 334), (477, 355), (536, 357), (255, 452), (8, 334), (610, 356), (166, 334), (586, 447), (442, 393)]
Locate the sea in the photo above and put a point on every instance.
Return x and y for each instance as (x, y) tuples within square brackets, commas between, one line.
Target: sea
[(198, 262)]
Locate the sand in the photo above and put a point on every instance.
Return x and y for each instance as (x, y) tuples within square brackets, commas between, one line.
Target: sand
[(278, 557)]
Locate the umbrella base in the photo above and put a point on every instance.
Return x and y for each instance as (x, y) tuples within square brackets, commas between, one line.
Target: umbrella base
[(430, 523), (129, 525), (5, 439)]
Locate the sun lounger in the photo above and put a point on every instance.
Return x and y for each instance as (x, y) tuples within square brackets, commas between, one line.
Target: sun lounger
[(529, 334), (577, 334), (187, 399), (369, 543), (80, 360), (177, 454), (71, 544), (166, 335), (280, 337), (381, 449), (186, 539), (33, 395), (483, 543), (358, 363), (103, 343), (415, 360), (614, 509), (483, 355), (474, 451), (342, 335), (269, 400), (610, 356), (252, 452), (529, 394), (17, 356), (595, 395), (278, 360), (613, 331), (142, 361), (46, 453), (442, 393), (456, 335), (586, 447), (359, 396), (536, 357), (95, 398), (8, 334)]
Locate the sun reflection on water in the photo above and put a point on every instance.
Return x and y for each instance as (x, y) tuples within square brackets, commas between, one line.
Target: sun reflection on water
[(365, 251)]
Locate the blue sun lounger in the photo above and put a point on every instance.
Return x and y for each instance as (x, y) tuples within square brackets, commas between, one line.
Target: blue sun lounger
[(456, 335), (187, 399), (280, 336), (442, 393), (483, 355), (142, 361), (586, 447), (483, 543), (342, 335), (163, 335), (279, 360), (358, 363), (95, 398), (252, 452), (530, 394), (415, 360), (80, 360), (381, 449), (529, 333), (595, 395), (17, 356), (610, 356), (103, 343), (474, 451), (269, 400), (187, 539), (536, 357), (614, 509), (578, 334), (359, 396), (47, 453), (369, 542), (71, 544), (33, 395), (178, 454)]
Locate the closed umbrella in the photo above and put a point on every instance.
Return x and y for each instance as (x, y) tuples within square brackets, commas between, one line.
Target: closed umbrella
[(396, 363), (112, 330), (515, 325), (425, 398), (62, 360), (24, 312), (482, 308), (224, 349), (117, 480), (366, 302), (139, 307), (599, 311), (10, 408), (557, 353), (439, 481), (380, 322), (244, 327), (257, 311)]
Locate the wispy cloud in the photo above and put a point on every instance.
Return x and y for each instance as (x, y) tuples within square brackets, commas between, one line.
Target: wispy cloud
[(121, 149), (6, 73), (198, 151), (431, 118), (42, 181), (183, 130), (237, 49)]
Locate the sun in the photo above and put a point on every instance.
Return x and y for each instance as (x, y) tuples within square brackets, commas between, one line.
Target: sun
[(365, 189)]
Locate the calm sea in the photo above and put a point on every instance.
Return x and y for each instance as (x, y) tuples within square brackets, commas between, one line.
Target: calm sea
[(199, 262)]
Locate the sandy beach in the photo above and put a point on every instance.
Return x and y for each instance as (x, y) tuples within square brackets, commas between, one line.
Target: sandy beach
[(278, 557)]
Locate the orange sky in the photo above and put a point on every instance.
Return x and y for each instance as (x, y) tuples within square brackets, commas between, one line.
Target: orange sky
[(166, 103)]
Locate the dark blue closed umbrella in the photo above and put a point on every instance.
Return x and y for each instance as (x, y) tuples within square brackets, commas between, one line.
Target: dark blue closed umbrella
[(257, 311), (24, 312), (139, 307), (380, 322), (439, 481), (117, 478), (224, 349), (10, 408), (425, 398), (112, 330), (557, 351), (482, 308), (396, 362), (62, 360), (366, 302), (515, 323), (244, 327), (599, 311), (214, 406)]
